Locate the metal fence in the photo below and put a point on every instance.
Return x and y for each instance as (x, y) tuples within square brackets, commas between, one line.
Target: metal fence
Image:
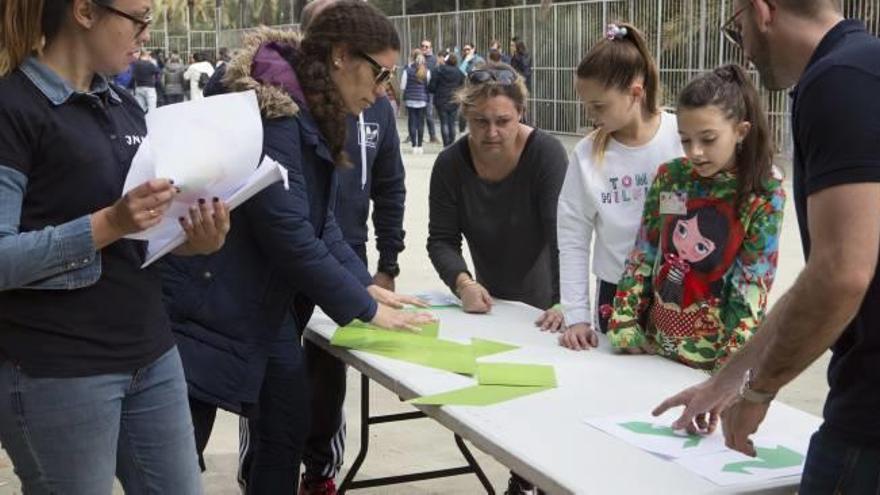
[(183, 43), (684, 35)]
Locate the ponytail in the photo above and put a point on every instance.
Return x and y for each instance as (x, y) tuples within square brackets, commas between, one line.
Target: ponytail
[(615, 62), (731, 90)]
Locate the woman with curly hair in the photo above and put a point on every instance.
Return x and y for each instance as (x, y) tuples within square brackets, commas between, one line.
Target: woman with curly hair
[(238, 315)]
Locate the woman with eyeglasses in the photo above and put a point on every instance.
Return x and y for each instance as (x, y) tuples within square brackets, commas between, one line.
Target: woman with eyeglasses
[(91, 383), (238, 314), (497, 187)]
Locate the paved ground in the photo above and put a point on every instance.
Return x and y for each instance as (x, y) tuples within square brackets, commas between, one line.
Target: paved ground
[(420, 445)]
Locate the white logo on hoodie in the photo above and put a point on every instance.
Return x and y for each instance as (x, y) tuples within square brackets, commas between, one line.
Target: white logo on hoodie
[(371, 133)]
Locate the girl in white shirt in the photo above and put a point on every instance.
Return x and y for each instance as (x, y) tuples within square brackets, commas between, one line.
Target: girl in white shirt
[(608, 175)]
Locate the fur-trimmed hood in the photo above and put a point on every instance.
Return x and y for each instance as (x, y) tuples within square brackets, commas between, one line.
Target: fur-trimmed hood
[(262, 66)]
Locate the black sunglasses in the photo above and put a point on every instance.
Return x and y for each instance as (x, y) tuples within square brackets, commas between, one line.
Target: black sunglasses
[(383, 74), (504, 77), (732, 29), (142, 23)]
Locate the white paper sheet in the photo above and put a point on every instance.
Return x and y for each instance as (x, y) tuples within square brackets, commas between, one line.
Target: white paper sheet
[(268, 173), (208, 147), (776, 459), (654, 435)]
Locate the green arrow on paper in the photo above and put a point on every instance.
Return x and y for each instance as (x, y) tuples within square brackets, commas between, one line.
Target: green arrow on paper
[(777, 458), (644, 428)]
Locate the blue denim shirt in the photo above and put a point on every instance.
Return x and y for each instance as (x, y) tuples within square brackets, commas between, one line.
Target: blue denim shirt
[(59, 257)]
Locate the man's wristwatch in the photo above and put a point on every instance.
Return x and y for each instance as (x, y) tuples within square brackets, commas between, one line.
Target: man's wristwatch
[(390, 269), (754, 396)]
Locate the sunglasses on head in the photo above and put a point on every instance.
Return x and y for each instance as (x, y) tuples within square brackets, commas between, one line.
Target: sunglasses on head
[(504, 77), (142, 23), (383, 74)]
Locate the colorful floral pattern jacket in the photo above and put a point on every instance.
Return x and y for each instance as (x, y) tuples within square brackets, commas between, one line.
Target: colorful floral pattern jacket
[(695, 285)]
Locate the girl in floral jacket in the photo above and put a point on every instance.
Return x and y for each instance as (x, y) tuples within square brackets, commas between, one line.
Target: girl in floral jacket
[(695, 285)]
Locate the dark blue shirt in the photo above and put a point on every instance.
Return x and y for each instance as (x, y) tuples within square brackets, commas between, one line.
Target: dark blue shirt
[(836, 124), (384, 184), (67, 309)]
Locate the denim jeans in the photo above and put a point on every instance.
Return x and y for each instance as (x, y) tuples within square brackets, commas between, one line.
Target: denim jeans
[(416, 121), (448, 121), (835, 465), (429, 118), (74, 435), (146, 97)]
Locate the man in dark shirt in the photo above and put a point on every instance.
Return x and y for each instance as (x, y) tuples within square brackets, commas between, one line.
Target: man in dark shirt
[(431, 62), (836, 125), (144, 74)]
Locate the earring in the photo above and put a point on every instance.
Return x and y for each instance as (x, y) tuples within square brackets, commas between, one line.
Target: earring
[(337, 63), (739, 147)]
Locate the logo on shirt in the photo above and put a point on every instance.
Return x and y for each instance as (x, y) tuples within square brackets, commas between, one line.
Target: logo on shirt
[(134, 140), (371, 133), (626, 188)]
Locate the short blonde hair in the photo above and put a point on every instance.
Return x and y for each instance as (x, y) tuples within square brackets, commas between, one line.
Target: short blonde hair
[(471, 94)]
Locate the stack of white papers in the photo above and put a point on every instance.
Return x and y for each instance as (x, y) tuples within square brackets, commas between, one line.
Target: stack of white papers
[(209, 148)]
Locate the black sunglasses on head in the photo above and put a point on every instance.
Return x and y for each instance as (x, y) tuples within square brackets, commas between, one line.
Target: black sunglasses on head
[(383, 74), (504, 77), (142, 23)]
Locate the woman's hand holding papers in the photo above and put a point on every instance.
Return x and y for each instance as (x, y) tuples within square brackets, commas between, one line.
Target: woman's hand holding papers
[(139, 209), (206, 228)]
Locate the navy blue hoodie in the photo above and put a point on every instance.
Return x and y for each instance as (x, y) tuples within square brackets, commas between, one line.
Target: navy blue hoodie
[(384, 184)]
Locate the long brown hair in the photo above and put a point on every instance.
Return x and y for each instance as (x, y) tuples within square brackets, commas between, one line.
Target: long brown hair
[(616, 62), (359, 27), (729, 89), (420, 63), (26, 26)]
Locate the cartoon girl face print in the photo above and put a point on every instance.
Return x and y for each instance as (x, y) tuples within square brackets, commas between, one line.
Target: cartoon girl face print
[(692, 246)]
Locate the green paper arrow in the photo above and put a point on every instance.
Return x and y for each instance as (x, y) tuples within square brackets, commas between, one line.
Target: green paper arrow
[(644, 428), (778, 458), (484, 347)]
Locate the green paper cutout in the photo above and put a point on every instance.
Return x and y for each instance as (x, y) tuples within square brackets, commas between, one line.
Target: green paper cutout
[(516, 375), (484, 347), (409, 347), (778, 458), (644, 428)]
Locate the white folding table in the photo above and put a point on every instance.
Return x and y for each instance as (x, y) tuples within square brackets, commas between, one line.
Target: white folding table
[(543, 437)]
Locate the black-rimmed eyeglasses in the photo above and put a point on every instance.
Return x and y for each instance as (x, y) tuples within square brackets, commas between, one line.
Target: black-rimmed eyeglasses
[(732, 29), (142, 23)]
